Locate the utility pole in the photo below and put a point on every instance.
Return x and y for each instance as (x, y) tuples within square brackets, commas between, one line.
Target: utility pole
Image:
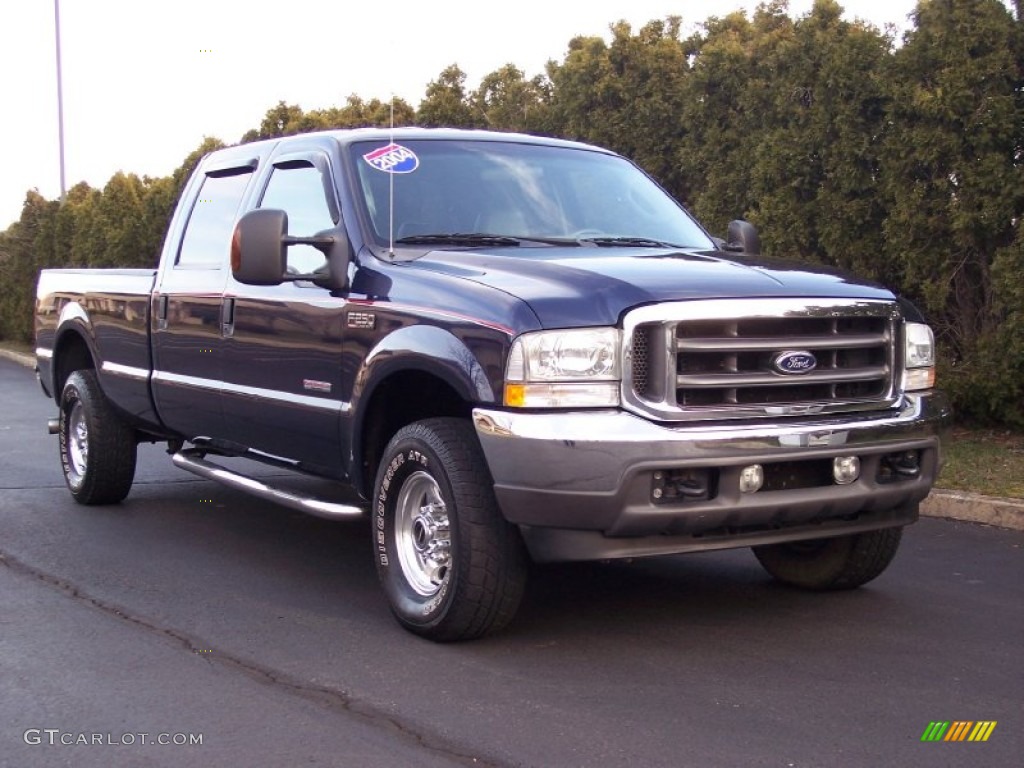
[(60, 102)]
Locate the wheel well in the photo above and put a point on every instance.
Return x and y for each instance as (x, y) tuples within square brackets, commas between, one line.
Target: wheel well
[(399, 400), (71, 354)]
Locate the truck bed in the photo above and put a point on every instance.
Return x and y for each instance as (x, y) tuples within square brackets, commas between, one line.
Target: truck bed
[(110, 307)]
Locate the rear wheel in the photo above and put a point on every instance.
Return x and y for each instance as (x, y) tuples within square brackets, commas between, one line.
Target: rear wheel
[(843, 562), (97, 449), (451, 566)]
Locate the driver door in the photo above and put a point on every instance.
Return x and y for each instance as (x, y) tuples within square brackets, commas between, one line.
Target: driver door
[(282, 371)]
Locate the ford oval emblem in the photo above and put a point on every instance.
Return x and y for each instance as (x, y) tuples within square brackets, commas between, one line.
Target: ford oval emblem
[(795, 362)]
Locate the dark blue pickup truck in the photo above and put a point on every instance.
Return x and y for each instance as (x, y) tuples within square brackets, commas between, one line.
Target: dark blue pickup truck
[(507, 347)]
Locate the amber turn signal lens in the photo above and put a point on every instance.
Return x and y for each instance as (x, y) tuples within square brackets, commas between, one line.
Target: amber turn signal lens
[(515, 395), (236, 250)]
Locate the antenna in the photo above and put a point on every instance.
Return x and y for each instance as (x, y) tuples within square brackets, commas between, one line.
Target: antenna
[(391, 187)]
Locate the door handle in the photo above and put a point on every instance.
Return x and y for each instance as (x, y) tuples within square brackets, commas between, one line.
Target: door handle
[(161, 312), (227, 318)]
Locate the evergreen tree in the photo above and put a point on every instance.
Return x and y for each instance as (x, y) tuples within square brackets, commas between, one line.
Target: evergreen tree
[(723, 120), (507, 101), (954, 184), (446, 102), (628, 96)]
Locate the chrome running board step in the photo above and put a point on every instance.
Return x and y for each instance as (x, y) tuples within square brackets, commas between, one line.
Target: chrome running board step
[(192, 460)]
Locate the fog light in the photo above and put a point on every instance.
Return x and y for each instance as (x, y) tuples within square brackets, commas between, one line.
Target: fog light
[(845, 469), (907, 463), (751, 478)]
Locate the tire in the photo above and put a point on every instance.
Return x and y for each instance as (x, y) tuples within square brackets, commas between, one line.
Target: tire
[(97, 449), (843, 562), (451, 567)]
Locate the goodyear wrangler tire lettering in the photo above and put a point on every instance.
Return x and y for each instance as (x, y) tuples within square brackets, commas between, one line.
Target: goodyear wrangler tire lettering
[(451, 567)]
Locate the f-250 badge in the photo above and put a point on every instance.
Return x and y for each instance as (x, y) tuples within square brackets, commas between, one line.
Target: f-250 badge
[(363, 320)]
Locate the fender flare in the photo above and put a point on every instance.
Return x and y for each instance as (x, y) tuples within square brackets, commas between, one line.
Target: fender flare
[(427, 348), (422, 348), (73, 320)]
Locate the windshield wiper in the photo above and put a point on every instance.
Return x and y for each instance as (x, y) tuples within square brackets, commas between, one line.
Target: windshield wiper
[(481, 238), (458, 238), (628, 242)]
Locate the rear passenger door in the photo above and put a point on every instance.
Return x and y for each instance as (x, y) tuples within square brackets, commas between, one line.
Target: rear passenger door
[(283, 374), (187, 312)]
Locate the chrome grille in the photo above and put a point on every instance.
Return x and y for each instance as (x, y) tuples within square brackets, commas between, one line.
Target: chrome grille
[(722, 358)]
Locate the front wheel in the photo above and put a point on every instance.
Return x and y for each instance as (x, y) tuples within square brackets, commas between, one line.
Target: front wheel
[(97, 449), (843, 562), (451, 566)]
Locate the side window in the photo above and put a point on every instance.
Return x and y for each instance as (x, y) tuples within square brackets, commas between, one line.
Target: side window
[(299, 192), (207, 239)]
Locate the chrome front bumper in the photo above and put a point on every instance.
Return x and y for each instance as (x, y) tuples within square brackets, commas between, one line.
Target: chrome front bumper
[(580, 484)]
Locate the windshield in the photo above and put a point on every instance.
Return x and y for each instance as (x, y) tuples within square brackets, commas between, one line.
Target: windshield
[(523, 191)]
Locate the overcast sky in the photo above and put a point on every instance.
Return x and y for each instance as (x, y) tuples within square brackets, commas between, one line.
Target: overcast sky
[(145, 80)]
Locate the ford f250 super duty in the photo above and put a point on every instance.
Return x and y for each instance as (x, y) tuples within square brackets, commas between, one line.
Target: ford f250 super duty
[(507, 347)]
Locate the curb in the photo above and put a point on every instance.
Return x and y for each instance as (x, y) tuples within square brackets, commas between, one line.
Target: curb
[(975, 508), (19, 357), (952, 505)]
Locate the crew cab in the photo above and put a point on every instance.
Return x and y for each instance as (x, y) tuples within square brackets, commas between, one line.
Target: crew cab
[(506, 348)]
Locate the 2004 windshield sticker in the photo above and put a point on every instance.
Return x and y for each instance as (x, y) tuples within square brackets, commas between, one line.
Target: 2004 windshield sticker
[(394, 158)]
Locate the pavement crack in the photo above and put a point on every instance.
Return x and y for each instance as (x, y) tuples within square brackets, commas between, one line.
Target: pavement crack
[(328, 697)]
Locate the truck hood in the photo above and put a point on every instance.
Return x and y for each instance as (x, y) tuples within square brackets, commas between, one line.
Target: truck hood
[(568, 287)]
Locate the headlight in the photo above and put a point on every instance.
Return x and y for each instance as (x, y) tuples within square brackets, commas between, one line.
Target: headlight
[(564, 369), (919, 357)]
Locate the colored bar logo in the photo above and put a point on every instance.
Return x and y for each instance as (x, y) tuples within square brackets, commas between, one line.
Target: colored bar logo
[(959, 730)]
